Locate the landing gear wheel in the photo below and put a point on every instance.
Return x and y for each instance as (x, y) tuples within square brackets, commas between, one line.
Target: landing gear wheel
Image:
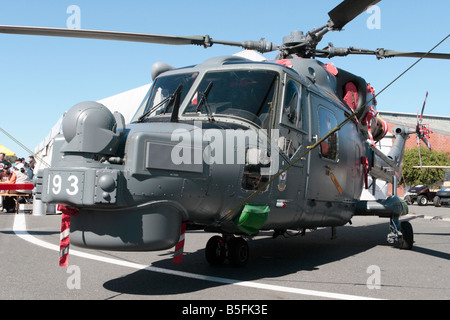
[(238, 252), (407, 238), (215, 251)]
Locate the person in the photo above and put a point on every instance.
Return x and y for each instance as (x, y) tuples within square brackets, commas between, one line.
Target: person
[(31, 162), (28, 171), (21, 177), (3, 161), (7, 177), (16, 162)]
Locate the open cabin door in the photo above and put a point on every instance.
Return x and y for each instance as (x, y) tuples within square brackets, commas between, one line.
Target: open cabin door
[(325, 181), (293, 126)]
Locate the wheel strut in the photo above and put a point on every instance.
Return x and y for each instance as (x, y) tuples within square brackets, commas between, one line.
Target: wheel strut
[(402, 233)]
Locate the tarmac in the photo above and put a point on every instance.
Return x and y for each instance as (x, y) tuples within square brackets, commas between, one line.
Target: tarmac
[(437, 213)]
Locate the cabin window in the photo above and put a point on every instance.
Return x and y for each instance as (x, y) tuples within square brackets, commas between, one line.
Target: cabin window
[(329, 147)]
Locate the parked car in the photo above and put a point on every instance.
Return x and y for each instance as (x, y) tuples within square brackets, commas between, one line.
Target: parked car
[(439, 192), (420, 194), (443, 195)]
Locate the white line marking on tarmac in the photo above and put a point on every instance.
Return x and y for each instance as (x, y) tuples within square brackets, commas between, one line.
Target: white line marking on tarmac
[(20, 230)]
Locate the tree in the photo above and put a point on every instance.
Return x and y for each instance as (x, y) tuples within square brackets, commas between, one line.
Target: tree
[(413, 177)]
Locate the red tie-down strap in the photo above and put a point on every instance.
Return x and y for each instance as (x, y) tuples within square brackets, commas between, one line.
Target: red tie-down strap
[(366, 169), (65, 234)]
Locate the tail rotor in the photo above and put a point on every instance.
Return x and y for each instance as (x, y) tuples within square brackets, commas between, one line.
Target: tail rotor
[(422, 130)]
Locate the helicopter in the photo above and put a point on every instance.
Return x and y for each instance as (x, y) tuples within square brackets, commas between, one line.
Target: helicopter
[(231, 145)]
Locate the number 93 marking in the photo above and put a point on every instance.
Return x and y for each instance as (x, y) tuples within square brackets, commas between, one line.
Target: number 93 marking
[(57, 185)]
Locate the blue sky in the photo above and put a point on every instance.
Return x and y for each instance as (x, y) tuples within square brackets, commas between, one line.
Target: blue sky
[(41, 77)]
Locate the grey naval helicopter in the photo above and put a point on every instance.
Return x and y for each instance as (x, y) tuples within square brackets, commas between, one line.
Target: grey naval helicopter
[(231, 145)]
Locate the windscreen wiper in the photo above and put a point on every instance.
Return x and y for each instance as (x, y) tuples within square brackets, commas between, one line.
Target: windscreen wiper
[(176, 104), (170, 98), (204, 101)]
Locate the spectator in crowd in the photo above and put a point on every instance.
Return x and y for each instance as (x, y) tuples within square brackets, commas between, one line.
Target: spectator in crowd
[(22, 177), (7, 177), (16, 162), (3, 161), (31, 162)]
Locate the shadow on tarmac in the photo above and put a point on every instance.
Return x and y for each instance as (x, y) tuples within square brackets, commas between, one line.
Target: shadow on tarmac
[(269, 258)]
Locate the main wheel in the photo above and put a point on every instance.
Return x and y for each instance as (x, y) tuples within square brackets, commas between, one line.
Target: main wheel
[(238, 252), (215, 251), (407, 239)]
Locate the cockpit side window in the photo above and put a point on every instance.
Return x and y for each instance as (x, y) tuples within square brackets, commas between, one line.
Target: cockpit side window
[(290, 134), (291, 106)]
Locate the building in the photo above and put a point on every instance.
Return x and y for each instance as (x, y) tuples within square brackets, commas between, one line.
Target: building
[(439, 125)]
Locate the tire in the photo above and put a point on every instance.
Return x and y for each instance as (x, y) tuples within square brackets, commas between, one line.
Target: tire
[(408, 200), (422, 200), (407, 239), (215, 251), (238, 252), (437, 201)]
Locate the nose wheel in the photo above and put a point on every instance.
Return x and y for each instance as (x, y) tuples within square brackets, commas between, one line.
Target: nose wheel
[(218, 249)]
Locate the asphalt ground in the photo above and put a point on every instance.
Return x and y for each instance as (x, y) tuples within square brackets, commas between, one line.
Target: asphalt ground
[(358, 264)]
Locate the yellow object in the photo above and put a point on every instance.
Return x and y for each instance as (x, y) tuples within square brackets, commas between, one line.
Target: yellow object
[(6, 151), (336, 183)]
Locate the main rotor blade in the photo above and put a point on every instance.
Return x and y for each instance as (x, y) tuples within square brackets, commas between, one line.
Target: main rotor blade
[(102, 35), (262, 45), (381, 53), (347, 11), (331, 52)]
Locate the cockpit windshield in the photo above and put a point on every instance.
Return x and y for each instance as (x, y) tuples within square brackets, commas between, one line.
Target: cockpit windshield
[(243, 93), (160, 96)]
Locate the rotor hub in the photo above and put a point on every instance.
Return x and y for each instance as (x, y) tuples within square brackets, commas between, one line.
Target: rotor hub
[(294, 38)]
